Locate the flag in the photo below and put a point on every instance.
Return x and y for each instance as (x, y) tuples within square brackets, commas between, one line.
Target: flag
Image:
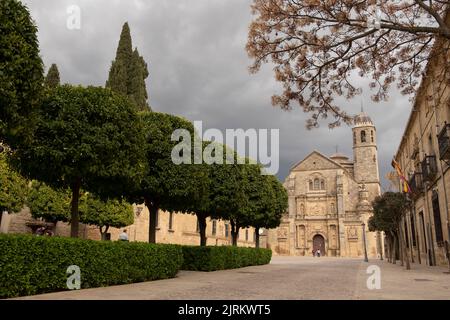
[(403, 181)]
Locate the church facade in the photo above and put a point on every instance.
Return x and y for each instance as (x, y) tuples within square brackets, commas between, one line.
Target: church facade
[(330, 201)]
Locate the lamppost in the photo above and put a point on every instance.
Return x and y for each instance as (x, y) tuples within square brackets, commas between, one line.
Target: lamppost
[(364, 241)]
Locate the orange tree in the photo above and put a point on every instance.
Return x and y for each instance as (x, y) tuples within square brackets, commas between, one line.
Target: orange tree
[(21, 71), (85, 138)]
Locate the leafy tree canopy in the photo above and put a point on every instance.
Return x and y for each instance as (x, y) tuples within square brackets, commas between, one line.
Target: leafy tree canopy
[(165, 184), (50, 204), (13, 187), (21, 71), (54, 205), (88, 138), (388, 210), (111, 213)]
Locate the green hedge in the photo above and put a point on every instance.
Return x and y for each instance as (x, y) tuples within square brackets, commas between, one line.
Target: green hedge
[(32, 265), (225, 257)]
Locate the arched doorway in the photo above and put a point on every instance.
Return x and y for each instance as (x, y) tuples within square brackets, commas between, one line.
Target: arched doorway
[(319, 243)]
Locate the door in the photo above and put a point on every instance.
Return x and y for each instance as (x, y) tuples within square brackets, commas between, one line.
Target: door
[(319, 243)]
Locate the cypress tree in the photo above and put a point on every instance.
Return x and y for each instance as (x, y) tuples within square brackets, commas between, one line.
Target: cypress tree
[(128, 72), (52, 79), (138, 74)]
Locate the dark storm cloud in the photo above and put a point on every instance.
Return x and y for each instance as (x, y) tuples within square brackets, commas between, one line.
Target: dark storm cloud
[(199, 69)]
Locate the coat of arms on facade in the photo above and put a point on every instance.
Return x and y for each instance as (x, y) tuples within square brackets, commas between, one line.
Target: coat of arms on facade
[(352, 233), (282, 233)]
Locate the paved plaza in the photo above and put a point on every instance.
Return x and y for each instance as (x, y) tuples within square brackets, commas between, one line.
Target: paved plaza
[(284, 278)]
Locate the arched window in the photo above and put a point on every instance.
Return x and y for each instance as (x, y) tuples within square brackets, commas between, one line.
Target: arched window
[(371, 135), (332, 209), (363, 136), (316, 184), (322, 185), (302, 209), (310, 185)]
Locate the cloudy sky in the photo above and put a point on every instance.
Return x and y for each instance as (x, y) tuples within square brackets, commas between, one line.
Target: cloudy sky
[(198, 68)]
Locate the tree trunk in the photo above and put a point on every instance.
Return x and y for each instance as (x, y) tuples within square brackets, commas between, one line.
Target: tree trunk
[(236, 237), (380, 244), (234, 232), (402, 254), (394, 249), (75, 216), (387, 245), (405, 250), (202, 226), (257, 237), (153, 210), (103, 233)]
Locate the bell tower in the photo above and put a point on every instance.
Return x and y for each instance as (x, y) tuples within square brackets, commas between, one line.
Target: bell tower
[(365, 155)]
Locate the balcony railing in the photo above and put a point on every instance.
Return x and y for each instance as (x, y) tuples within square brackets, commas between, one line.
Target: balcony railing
[(416, 184), (444, 142), (429, 168)]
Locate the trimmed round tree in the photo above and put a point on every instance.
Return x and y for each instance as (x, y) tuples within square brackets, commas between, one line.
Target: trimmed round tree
[(13, 188), (167, 185), (217, 187), (260, 201), (115, 213), (273, 209), (247, 199), (86, 138), (48, 203), (21, 71), (54, 205)]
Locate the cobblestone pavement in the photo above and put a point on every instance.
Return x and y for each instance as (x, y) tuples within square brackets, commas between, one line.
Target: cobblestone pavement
[(284, 278)]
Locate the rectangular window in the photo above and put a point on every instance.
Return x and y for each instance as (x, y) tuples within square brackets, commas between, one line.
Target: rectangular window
[(227, 231), (246, 235), (198, 227), (214, 227), (171, 221), (437, 218), (157, 219)]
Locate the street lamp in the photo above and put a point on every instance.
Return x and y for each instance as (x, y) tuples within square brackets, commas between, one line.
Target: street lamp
[(364, 240)]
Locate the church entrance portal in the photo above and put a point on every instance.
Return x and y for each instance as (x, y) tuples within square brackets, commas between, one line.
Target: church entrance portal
[(319, 243)]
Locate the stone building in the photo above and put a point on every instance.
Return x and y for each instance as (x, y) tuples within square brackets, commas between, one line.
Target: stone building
[(329, 201), (424, 157), (171, 228)]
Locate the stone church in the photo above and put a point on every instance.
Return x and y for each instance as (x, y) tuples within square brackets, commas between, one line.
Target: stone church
[(330, 201)]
